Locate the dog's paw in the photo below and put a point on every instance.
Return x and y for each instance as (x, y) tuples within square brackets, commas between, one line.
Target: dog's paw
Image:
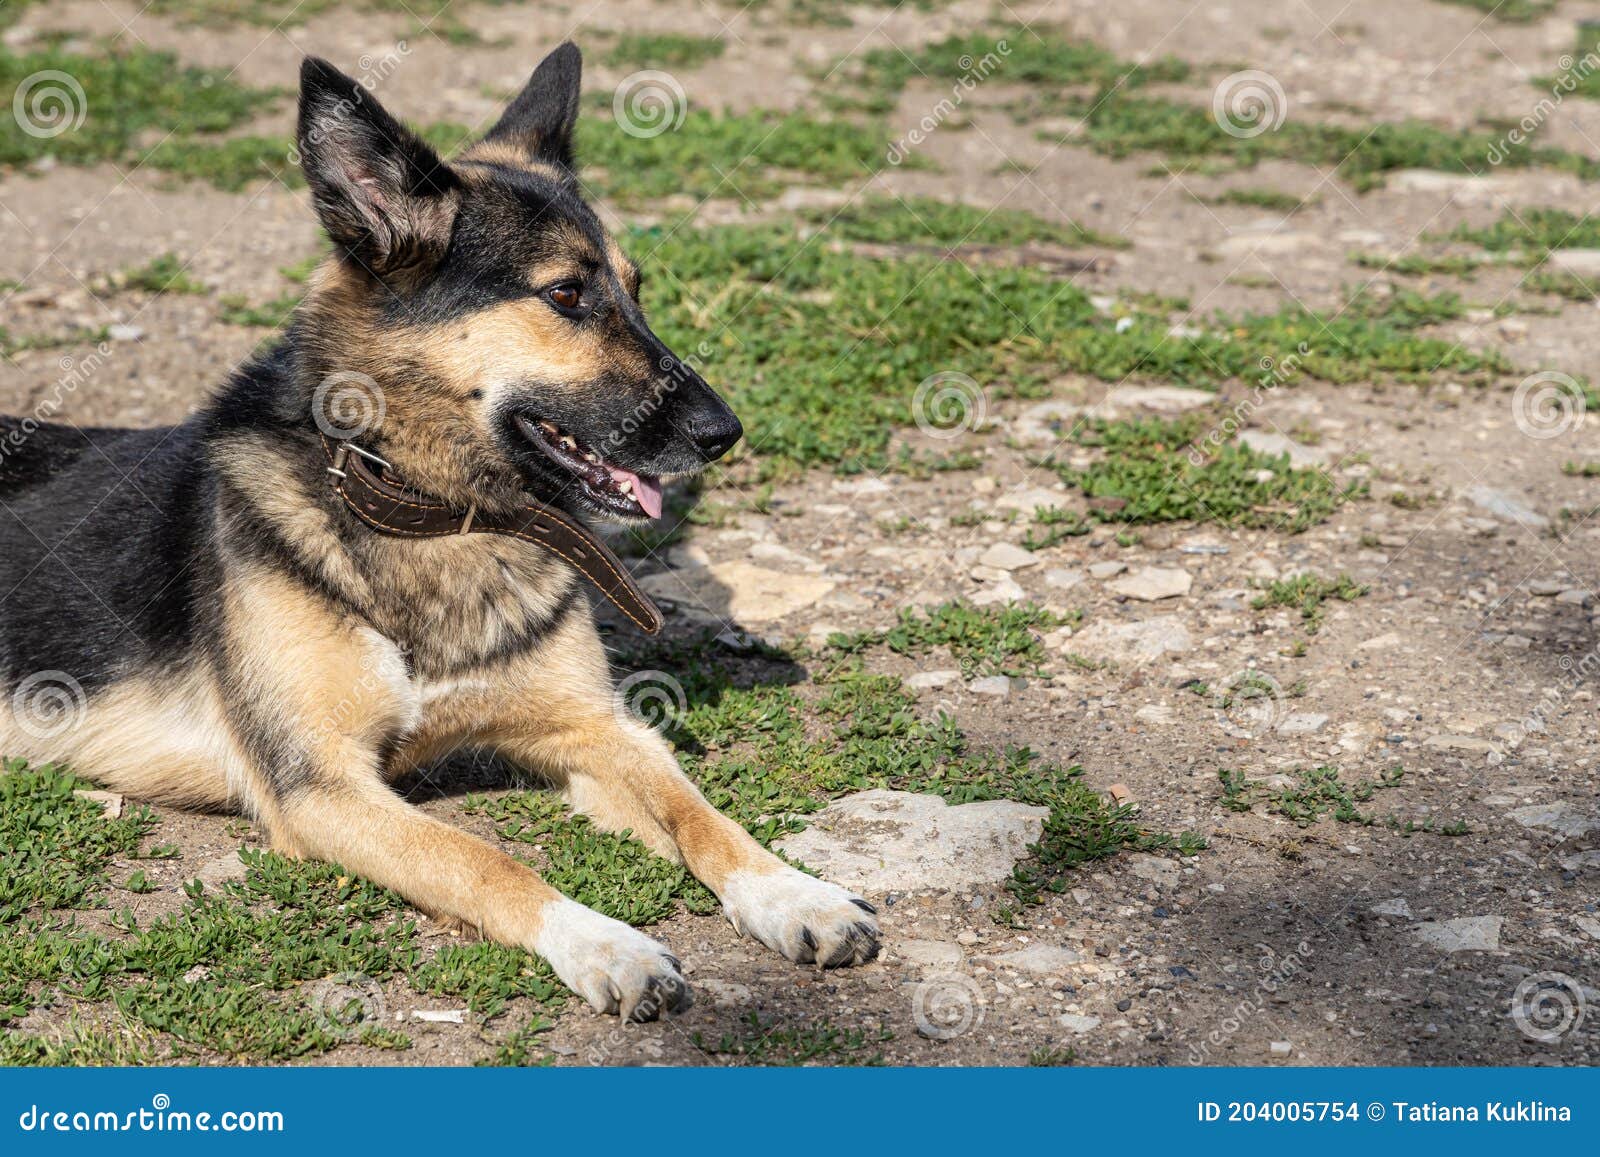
[(613, 967), (806, 919)]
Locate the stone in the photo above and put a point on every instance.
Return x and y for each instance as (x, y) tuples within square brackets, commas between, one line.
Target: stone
[(1550, 586), (1463, 934), (939, 954), (1039, 959), (1140, 642), (778, 555), (1302, 723), (1276, 243), (896, 841), (1156, 869), (1583, 262), (1576, 598), (1072, 1022), (1007, 556), (1588, 925), (215, 873), (737, 591), (1280, 1048), (1029, 500), (1157, 714), (1105, 570), (1150, 584), (1395, 907), (723, 993), (1159, 399), (124, 332), (1274, 444), (1559, 817), (1063, 579), (998, 686), (1468, 744), (1384, 642), (932, 680), (440, 1016), (109, 800), (1504, 506), (1003, 590)]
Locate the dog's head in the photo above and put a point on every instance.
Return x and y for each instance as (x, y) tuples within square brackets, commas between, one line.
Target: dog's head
[(494, 316)]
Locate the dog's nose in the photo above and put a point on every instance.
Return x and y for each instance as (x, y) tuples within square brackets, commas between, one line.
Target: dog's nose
[(716, 433)]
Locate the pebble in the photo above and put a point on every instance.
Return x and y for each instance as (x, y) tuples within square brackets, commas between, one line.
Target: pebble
[(1302, 723), (124, 332), (931, 680), (1105, 570), (1463, 934), (995, 685), (1072, 1022), (1007, 556), (1063, 579), (1280, 1048), (1150, 584)]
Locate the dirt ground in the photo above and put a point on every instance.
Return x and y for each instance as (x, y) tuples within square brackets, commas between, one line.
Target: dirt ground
[(1468, 662)]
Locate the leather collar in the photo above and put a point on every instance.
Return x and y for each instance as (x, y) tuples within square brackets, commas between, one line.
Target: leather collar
[(387, 505)]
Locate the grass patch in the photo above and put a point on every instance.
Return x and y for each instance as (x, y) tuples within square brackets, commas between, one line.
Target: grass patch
[(127, 96), (1508, 11), (1269, 199), (1307, 593), (1153, 472), (1314, 793), (1534, 233), (661, 50), (784, 1045), (927, 221), (982, 640), (164, 274)]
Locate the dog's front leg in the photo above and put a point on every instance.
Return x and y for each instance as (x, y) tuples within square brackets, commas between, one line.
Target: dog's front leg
[(314, 702), (623, 776)]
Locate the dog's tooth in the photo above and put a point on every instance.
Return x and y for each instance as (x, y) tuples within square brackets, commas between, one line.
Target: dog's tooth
[(549, 428), (626, 486), (592, 456)]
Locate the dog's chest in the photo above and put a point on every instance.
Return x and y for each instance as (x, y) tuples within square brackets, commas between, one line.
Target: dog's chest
[(457, 603)]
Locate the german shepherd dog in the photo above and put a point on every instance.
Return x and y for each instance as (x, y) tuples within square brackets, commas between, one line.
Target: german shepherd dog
[(242, 640)]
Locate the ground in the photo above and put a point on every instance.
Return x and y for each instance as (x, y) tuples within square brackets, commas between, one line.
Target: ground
[(1168, 420)]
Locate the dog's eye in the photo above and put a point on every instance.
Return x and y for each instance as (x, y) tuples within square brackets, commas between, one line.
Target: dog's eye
[(567, 295)]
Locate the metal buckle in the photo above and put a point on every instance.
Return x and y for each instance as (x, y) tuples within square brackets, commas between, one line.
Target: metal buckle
[(367, 454)]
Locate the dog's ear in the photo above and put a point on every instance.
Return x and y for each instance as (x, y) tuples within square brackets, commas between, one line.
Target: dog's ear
[(380, 191), (540, 121)]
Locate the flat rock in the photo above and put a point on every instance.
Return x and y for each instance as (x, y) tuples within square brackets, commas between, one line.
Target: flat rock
[(1141, 642), (1007, 556), (1039, 959), (1560, 817), (738, 591), (996, 686), (932, 680), (723, 993), (1072, 1022), (1029, 500), (1063, 579), (1471, 744), (926, 953), (1506, 507), (1157, 869), (215, 873), (1151, 583), (1302, 723), (1275, 445), (1156, 714), (1583, 262), (1395, 907), (898, 841), (1105, 570), (109, 800), (1158, 399), (1276, 243), (1463, 934), (1005, 590)]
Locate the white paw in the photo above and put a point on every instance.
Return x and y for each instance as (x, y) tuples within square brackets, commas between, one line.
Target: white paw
[(806, 919), (613, 967)]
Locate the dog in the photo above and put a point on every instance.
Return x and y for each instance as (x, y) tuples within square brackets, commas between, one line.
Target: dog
[(263, 613)]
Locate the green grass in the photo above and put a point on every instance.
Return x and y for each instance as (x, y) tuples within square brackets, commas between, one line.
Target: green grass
[(1534, 233), (1314, 793), (738, 156), (926, 221), (1509, 11), (661, 50), (164, 274), (1572, 286), (128, 96), (982, 640), (1269, 199), (781, 1045), (1307, 593), (1154, 470)]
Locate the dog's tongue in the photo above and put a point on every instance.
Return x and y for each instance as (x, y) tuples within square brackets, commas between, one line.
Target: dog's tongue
[(646, 488)]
